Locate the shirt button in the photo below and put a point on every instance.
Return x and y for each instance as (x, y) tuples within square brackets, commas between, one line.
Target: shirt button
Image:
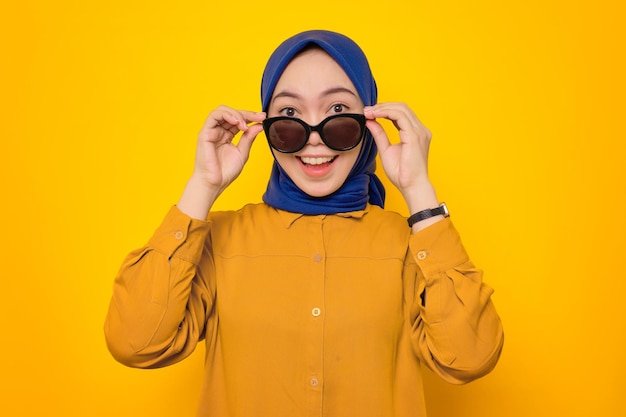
[(317, 257), (179, 235), (316, 312), (421, 255), (314, 382)]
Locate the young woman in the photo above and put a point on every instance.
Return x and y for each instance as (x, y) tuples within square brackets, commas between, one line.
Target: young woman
[(316, 301)]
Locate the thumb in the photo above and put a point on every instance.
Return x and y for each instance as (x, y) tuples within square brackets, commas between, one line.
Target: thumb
[(247, 138), (379, 135)]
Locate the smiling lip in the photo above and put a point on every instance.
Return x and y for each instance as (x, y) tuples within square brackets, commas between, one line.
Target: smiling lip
[(316, 166), (316, 160)]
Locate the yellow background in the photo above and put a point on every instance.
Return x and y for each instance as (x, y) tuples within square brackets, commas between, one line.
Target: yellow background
[(100, 106)]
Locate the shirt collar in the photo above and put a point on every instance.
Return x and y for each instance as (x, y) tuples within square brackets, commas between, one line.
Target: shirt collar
[(288, 218)]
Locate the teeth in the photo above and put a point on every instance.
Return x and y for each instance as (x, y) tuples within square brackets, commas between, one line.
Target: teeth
[(316, 161)]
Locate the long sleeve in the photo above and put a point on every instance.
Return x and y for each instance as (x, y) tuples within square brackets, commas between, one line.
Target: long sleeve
[(317, 315), (456, 330), (161, 301)]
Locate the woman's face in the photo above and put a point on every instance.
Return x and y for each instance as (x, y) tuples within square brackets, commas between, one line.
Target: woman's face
[(313, 87)]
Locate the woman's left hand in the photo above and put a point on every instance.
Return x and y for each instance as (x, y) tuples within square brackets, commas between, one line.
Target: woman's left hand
[(406, 162)]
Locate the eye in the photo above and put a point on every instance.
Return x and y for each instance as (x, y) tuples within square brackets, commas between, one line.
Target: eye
[(288, 111), (338, 108)]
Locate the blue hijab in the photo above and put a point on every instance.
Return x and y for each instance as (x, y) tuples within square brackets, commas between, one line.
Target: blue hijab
[(362, 185)]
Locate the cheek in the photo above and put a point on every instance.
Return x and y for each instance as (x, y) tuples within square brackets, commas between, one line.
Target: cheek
[(351, 158), (282, 159)]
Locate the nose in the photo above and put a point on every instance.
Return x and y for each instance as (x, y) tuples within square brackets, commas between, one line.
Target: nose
[(315, 139)]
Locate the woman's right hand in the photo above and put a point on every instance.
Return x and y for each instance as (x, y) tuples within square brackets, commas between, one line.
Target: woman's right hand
[(218, 160)]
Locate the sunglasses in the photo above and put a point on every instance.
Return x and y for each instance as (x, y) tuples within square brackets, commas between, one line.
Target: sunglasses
[(340, 132)]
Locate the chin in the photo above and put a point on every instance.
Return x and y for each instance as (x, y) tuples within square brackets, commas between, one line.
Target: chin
[(318, 192)]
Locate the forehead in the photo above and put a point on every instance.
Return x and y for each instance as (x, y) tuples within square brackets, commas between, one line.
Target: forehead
[(313, 64), (313, 70)]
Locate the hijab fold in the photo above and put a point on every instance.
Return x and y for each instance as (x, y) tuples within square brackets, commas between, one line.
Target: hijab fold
[(362, 185)]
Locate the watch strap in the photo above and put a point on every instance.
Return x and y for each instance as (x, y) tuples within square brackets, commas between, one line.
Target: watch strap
[(428, 213)]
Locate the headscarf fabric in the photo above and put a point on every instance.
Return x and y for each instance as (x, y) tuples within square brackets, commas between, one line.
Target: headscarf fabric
[(362, 185)]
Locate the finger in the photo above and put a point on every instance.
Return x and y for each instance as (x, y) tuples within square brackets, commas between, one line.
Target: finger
[(398, 106), (216, 120), (228, 119), (401, 116), (241, 118), (247, 139), (379, 135), (221, 114), (236, 120), (389, 109), (252, 116)]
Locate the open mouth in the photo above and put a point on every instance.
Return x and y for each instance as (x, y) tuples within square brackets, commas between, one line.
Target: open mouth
[(316, 161)]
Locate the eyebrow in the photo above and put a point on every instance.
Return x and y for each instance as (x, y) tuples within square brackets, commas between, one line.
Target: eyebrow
[(330, 91)]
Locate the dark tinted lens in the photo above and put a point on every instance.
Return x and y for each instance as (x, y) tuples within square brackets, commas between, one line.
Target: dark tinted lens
[(287, 135), (342, 133)]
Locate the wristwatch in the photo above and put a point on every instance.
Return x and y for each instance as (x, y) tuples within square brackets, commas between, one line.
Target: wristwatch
[(428, 213)]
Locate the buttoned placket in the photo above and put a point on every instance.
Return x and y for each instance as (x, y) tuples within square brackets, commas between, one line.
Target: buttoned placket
[(315, 331)]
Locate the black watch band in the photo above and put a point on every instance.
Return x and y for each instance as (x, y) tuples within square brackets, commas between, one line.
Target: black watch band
[(428, 213)]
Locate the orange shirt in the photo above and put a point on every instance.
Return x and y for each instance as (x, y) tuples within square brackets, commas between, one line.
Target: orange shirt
[(327, 315)]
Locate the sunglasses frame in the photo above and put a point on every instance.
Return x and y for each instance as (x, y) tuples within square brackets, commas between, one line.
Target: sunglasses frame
[(360, 118)]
